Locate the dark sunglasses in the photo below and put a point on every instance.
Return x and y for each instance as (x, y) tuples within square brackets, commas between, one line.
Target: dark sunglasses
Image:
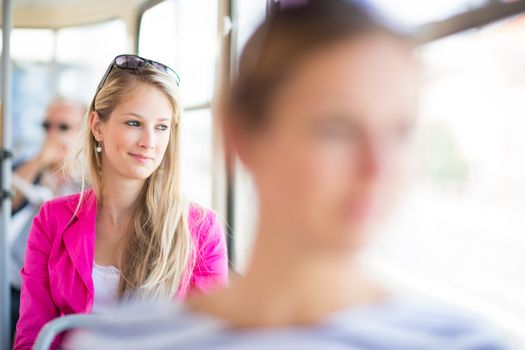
[(135, 63), (63, 127)]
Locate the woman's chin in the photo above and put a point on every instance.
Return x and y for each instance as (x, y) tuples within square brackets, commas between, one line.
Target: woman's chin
[(138, 174)]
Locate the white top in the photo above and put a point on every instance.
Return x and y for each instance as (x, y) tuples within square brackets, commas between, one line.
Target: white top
[(105, 281)]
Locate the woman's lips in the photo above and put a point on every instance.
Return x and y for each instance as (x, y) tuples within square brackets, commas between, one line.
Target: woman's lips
[(140, 158)]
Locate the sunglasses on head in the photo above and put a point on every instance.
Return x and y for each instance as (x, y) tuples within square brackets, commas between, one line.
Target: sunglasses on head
[(60, 126), (136, 63)]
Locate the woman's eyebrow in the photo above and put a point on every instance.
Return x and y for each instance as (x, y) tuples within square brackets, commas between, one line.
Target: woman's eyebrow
[(134, 114)]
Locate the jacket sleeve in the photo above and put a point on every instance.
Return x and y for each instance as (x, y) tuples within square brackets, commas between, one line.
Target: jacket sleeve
[(211, 266), (36, 304)]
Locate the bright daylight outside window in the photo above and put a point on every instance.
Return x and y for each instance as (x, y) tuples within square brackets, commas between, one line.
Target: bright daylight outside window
[(62, 63), (459, 233), (192, 54)]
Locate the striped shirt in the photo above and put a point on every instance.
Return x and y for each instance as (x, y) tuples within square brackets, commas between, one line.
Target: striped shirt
[(396, 324)]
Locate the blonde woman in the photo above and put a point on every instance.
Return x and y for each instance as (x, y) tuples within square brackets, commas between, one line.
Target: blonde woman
[(131, 233)]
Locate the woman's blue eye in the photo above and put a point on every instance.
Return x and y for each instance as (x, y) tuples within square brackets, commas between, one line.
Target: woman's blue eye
[(133, 123), (162, 127)]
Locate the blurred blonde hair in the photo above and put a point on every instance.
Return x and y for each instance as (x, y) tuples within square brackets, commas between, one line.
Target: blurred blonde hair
[(157, 251)]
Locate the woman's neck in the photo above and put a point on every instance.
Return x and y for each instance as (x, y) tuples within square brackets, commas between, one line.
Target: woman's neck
[(119, 196), (286, 285)]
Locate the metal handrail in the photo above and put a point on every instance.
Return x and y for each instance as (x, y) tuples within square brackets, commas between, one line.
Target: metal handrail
[(495, 11), (5, 168), (59, 325)]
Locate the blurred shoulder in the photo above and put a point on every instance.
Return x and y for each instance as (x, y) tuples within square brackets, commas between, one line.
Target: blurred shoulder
[(428, 324), (392, 325), (141, 326)]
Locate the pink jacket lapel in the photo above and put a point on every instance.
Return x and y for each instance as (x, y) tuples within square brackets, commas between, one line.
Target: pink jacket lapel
[(79, 237)]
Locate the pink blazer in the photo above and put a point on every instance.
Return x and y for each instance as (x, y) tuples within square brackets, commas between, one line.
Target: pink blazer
[(57, 273)]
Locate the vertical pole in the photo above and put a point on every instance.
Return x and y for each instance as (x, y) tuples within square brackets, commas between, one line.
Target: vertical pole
[(223, 164), (55, 68), (5, 176), (230, 161)]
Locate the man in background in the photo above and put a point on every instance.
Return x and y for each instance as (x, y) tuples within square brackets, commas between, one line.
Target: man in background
[(39, 179), (61, 126)]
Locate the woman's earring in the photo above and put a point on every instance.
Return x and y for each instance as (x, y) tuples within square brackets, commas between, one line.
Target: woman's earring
[(98, 151)]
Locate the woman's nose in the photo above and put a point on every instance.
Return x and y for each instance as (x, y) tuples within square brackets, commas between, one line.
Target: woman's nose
[(147, 139), (372, 157)]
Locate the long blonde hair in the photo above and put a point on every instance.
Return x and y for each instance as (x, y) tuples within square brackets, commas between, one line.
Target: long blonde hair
[(157, 251)]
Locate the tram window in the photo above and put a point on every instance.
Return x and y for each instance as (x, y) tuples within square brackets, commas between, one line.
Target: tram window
[(32, 52), (32, 45), (183, 35), (170, 33), (459, 233), (250, 14), (196, 142), (83, 54), (67, 62)]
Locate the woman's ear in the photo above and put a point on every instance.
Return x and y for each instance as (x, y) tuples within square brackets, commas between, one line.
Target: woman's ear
[(237, 139), (96, 125), (241, 142)]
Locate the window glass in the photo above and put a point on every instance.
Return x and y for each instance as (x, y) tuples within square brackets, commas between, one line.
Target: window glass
[(196, 156), (183, 35), (459, 232), (34, 45), (68, 62), (170, 33), (250, 15), (84, 53)]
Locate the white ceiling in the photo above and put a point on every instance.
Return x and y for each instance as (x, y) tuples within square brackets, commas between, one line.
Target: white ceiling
[(64, 13)]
